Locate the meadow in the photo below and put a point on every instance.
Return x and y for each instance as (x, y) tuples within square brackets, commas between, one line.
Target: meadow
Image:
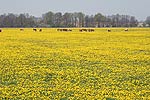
[(52, 65)]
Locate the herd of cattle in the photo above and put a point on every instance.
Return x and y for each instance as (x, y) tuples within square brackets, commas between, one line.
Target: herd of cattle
[(65, 30), (34, 29), (68, 30), (81, 30), (84, 30)]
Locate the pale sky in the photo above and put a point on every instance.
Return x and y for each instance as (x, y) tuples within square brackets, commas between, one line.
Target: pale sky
[(138, 8)]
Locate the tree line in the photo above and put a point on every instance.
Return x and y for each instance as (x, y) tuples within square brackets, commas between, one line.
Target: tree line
[(76, 19)]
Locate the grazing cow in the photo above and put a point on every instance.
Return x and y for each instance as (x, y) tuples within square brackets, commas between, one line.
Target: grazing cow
[(69, 30), (126, 29), (58, 29), (40, 30), (34, 29), (80, 30), (0, 30), (86, 30), (91, 30), (66, 30), (83, 30), (109, 30)]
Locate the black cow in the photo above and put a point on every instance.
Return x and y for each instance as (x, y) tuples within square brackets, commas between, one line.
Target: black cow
[(109, 30), (0, 30), (34, 29), (80, 30), (59, 29), (86, 30), (40, 30), (91, 30), (83, 30), (65, 30)]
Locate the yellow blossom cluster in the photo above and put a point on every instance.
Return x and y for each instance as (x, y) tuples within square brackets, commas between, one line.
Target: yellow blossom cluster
[(52, 65)]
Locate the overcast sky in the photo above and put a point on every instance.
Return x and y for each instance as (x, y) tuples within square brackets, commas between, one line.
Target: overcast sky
[(138, 8)]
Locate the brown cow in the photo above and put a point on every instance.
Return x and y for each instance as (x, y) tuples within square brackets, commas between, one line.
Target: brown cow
[(58, 29), (70, 30), (21, 29), (126, 29)]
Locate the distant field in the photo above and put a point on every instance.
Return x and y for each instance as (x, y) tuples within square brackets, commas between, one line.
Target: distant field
[(51, 65)]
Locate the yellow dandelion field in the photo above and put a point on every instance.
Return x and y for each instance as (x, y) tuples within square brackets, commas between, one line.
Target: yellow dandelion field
[(54, 65)]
